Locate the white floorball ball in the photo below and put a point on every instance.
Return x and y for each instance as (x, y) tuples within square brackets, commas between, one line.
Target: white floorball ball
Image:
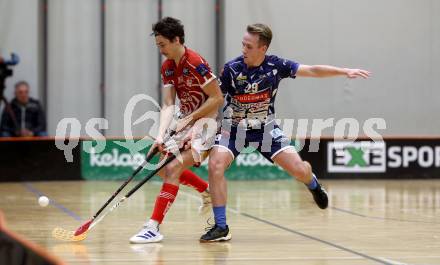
[(43, 201)]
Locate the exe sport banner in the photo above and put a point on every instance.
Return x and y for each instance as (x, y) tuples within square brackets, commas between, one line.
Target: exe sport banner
[(391, 158)]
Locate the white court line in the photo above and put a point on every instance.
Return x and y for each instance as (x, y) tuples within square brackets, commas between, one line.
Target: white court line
[(216, 259), (256, 259), (392, 262)]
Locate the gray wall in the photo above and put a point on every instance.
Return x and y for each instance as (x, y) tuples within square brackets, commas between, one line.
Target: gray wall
[(199, 21), (19, 34), (73, 61), (398, 40), (132, 56), (131, 60)]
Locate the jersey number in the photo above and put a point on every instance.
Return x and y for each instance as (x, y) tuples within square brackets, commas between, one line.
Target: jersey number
[(251, 88)]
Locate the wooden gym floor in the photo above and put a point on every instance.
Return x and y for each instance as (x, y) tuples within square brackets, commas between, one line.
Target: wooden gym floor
[(272, 222)]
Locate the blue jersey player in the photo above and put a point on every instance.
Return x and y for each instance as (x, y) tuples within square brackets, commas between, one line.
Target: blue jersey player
[(250, 84)]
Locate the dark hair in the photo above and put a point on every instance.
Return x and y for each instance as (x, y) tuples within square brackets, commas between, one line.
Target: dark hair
[(263, 31), (169, 28), (21, 83)]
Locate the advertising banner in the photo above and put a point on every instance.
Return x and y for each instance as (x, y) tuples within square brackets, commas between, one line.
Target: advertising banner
[(391, 158), (116, 162)]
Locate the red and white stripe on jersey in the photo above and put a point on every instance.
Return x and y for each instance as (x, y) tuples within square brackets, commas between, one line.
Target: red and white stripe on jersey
[(189, 78)]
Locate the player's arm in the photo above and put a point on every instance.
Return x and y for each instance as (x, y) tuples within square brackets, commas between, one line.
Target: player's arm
[(167, 110), (214, 101), (212, 104), (330, 71)]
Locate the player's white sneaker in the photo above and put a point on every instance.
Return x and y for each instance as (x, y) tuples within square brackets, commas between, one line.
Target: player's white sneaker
[(148, 234), (206, 205)]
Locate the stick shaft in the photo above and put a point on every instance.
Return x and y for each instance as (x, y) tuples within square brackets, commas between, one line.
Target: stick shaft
[(148, 177), (147, 159), (133, 190)]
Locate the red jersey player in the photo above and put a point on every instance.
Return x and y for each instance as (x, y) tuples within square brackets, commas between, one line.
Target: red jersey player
[(187, 75)]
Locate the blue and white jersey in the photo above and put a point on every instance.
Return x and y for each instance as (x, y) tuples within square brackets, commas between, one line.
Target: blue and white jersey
[(250, 92)]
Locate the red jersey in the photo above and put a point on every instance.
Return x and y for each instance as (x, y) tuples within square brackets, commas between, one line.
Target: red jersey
[(189, 78)]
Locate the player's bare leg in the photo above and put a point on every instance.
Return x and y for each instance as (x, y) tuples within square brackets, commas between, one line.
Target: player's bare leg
[(219, 161), (291, 162)]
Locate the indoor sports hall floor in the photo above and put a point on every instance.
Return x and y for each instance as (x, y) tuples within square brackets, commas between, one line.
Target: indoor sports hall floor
[(272, 222)]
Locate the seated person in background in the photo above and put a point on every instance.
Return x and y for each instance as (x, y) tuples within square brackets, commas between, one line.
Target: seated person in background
[(28, 114)]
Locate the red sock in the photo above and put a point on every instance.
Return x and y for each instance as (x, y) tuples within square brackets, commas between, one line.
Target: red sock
[(164, 201), (188, 178)]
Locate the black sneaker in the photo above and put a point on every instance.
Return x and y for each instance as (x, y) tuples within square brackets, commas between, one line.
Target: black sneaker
[(216, 234), (320, 196)]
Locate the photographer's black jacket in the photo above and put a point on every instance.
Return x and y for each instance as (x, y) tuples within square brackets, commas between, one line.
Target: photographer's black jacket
[(31, 116)]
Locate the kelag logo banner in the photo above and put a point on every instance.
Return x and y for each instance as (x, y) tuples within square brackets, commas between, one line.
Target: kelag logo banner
[(116, 162)]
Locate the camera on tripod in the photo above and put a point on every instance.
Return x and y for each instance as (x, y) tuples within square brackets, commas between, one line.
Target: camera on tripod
[(5, 69)]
